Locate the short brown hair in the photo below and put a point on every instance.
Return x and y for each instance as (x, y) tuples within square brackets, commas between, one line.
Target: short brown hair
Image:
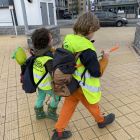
[(41, 38), (86, 23)]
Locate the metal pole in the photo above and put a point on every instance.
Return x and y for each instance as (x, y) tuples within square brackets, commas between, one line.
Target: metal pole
[(72, 8), (24, 16), (87, 5), (14, 22)]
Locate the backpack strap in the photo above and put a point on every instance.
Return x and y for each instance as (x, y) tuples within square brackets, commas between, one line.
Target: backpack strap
[(42, 77), (77, 55), (76, 58), (83, 74)]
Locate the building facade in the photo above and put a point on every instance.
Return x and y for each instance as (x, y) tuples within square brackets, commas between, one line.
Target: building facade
[(78, 6), (5, 14), (125, 8), (82, 4), (73, 6), (61, 7), (39, 12)]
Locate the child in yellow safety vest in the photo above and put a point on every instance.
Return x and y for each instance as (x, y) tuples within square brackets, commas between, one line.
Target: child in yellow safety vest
[(87, 75), (42, 44), (42, 71)]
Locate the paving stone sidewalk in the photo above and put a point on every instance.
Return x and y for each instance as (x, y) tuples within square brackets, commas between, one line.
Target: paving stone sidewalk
[(120, 86)]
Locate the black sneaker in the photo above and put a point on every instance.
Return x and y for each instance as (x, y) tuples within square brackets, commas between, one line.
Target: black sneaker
[(107, 120), (61, 135), (40, 114)]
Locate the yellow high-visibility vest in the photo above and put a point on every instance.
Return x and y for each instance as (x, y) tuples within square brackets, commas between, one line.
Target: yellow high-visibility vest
[(39, 71), (91, 85)]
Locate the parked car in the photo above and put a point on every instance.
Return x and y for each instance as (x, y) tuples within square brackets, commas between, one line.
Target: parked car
[(110, 19), (67, 16)]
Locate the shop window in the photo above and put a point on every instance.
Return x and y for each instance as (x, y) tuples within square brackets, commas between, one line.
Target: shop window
[(130, 10)]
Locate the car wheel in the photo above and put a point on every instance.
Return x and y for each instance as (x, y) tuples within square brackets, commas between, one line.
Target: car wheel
[(119, 24)]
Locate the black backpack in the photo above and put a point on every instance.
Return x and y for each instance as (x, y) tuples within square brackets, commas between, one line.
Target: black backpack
[(65, 61), (28, 84), (64, 65)]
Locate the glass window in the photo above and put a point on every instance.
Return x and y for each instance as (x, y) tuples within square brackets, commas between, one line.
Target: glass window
[(111, 14), (100, 15)]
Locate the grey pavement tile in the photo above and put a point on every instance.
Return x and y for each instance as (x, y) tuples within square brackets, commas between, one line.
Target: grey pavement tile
[(117, 103), (81, 106), (11, 125), (134, 106), (11, 134), (126, 100), (137, 124), (3, 95), (114, 126), (85, 113), (125, 109), (123, 121), (11, 117), (23, 113), (1, 131), (110, 97), (71, 126), (107, 137), (23, 107), (91, 121), (28, 137), (42, 135), (133, 117), (25, 130), (133, 131), (107, 106), (87, 134), (49, 123), (39, 126), (76, 116), (103, 100), (99, 132), (3, 100), (22, 101), (121, 135), (76, 136), (81, 124), (116, 112), (24, 121)]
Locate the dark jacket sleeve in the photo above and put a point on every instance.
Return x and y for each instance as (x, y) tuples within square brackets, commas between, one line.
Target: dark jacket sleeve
[(49, 64), (90, 61)]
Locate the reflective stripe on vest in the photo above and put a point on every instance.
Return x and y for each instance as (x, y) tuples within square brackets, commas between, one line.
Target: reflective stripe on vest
[(90, 88), (39, 71), (39, 77), (87, 75), (44, 85)]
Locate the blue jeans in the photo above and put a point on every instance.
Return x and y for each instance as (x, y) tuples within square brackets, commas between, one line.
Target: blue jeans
[(41, 96)]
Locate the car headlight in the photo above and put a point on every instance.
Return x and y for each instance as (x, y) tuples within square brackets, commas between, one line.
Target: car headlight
[(124, 18)]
